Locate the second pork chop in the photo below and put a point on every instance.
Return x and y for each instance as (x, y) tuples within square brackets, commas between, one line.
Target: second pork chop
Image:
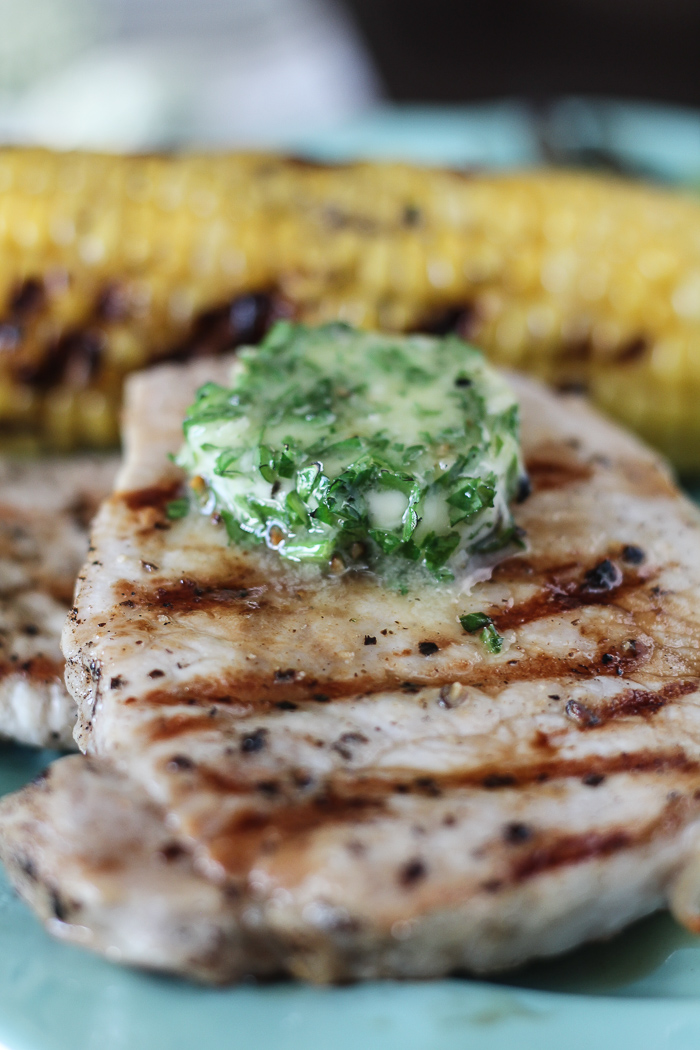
[(46, 506)]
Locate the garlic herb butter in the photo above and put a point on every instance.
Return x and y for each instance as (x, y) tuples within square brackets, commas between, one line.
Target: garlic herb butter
[(360, 448)]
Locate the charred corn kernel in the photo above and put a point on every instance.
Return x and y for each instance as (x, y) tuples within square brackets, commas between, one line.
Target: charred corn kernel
[(579, 278), (95, 420), (125, 351), (58, 420), (16, 405)]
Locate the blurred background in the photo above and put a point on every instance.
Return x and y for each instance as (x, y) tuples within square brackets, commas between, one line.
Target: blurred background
[(494, 82)]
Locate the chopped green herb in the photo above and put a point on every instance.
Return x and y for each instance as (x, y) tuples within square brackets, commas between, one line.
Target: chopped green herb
[(320, 446), (473, 622), (177, 508), (478, 621), (492, 639)]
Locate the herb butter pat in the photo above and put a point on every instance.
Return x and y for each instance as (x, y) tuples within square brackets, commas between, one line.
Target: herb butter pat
[(370, 448)]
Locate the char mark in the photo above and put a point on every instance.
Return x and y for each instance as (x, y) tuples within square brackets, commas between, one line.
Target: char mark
[(155, 497), (460, 318), (548, 472), (245, 319), (282, 817), (261, 693), (243, 837), (566, 589), (179, 725), (37, 669), (350, 789), (74, 359), (568, 850), (632, 703), (188, 595)]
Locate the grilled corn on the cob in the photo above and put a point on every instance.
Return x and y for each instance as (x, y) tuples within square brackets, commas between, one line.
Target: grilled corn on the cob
[(107, 263)]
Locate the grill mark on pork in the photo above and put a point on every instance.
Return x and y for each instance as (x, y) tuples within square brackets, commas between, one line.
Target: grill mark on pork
[(552, 468), (373, 789), (37, 669), (562, 588), (558, 595), (180, 725), (256, 693), (187, 595), (571, 849), (246, 835), (630, 704), (546, 769), (567, 850), (154, 497), (360, 800)]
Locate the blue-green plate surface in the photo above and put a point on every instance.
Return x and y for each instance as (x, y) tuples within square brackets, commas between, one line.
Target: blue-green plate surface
[(640, 990)]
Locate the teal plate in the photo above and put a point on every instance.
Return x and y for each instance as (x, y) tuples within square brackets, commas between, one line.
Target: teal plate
[(642, 989)]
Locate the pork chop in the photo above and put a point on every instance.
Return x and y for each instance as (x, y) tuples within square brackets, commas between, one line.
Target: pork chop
[(131, 893), (380, 793), (45, 509)]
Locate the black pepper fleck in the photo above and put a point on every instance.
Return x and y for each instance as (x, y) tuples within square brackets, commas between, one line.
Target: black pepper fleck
[(171, 851), (428, 787), (604, 577), (344, 744), (524, 489), (58, 907), (498, 780), (180, 763), (255, 741), (582, 714), (412, 215), (287, 675), (516, 833), (413, 871)]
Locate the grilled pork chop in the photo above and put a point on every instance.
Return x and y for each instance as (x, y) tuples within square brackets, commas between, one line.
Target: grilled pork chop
[(376, 792), (94, 857), (45, 508)]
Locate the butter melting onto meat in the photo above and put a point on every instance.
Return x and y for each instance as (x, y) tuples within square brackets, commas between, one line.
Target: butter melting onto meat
[(377, 792)]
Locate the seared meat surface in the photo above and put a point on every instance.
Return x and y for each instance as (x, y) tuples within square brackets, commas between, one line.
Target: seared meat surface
[(45, 508), (374, 791)]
